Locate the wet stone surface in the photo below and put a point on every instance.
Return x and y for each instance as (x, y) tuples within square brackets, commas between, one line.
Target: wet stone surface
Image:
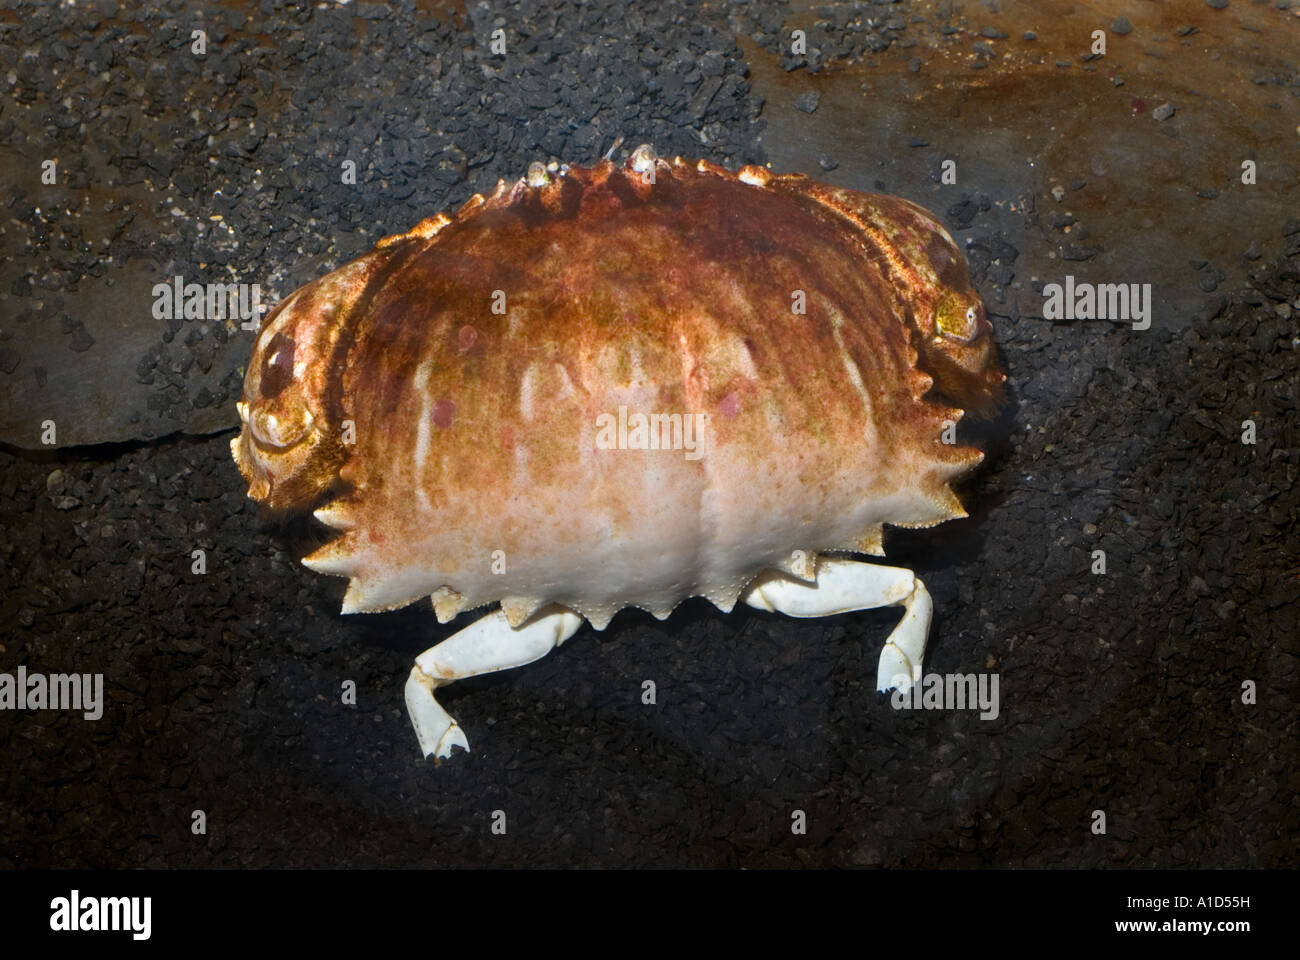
[(1120, 692), (227, 167)]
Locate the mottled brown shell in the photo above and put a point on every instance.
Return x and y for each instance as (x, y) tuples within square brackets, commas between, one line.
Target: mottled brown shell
[(445, 390)]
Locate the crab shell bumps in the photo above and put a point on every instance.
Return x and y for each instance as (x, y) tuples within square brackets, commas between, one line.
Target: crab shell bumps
[(624, 385)]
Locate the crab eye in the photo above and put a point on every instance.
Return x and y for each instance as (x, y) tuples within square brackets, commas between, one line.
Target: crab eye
[(956, 319), (277, 415), (279, 425), (277, 370)]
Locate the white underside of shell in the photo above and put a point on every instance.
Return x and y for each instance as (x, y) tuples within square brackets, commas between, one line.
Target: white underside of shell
[(670, 561), (498, 642)]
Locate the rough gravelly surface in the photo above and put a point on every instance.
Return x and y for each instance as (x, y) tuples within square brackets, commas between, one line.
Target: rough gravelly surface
[(229, 166), (1120, 693)]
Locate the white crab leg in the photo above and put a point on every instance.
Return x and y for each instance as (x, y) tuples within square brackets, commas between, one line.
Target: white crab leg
[(486, 645), (846, 585)]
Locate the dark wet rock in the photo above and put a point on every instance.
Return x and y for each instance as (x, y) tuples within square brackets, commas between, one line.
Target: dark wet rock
[(1076, 251), (808, 101)]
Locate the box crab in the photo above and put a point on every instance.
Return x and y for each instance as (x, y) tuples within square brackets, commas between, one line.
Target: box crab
[(456, 405)]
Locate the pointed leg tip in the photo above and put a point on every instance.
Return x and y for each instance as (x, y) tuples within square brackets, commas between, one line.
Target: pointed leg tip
[(435, 730), (896, 670), (442, 750), (455, 737)]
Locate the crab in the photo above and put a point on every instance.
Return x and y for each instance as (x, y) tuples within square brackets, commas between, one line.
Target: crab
[(624, 386)]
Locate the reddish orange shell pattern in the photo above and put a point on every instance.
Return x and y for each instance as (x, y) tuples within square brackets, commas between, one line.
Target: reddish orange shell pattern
[(466, 396)]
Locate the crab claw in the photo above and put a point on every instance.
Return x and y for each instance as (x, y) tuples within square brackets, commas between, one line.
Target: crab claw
[(486, 645), (434, 727)]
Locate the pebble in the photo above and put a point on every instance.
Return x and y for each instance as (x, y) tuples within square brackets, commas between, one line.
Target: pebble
[(1163, 112), (809, 101)]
